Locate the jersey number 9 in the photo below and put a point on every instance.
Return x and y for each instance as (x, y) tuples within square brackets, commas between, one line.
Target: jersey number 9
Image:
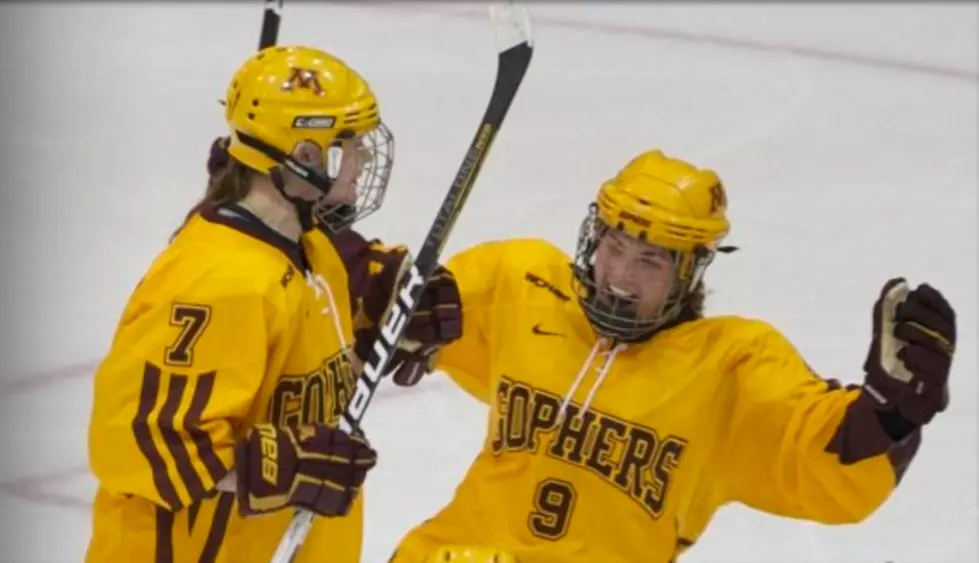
[(553, 504)]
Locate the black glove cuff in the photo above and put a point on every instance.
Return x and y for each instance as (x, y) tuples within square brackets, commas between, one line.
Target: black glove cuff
[(895, 425)]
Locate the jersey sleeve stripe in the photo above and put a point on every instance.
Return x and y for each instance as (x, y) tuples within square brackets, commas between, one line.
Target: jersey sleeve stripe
[(202, 440), (192, 511), (219, 526), (149, 390), (175, 442), (164, 536)]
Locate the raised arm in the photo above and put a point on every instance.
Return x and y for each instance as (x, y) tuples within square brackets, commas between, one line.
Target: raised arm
[(804, 447)]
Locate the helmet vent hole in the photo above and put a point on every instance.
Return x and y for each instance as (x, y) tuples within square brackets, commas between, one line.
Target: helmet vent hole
[(251, 116), (255, 103)]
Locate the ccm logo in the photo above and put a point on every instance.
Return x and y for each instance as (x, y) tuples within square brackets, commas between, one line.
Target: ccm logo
[(313, 122)]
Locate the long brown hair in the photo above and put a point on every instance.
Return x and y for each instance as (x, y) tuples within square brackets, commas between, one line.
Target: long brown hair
[(228, 180), (694, 307)]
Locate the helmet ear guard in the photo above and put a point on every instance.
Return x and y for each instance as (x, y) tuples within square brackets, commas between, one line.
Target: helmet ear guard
[(322, 182), (304, 208), (371, 182)]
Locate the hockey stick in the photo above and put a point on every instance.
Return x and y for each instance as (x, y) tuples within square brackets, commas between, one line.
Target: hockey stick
[(271, 19), (511, 27)]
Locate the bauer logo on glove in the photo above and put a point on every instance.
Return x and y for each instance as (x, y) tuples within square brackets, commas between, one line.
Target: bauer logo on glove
[(316, 467)]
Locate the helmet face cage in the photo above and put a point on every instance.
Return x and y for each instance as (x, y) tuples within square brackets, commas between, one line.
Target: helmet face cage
[(376, 149), (614, 316)]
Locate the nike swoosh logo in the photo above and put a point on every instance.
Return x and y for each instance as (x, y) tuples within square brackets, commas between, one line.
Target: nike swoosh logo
[(538, 330)]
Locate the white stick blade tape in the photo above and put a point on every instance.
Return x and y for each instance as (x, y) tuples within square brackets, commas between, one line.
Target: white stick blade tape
[(511, 24)]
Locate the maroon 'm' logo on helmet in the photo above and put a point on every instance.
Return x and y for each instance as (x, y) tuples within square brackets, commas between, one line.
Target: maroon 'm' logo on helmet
[(303, 79), (718, 199)]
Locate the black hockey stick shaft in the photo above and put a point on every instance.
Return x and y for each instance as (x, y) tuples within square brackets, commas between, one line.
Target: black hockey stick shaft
[(512, 27), (270, 24), (513, 64)]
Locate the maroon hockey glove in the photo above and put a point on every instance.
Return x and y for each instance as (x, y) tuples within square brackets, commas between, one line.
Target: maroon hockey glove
[(312, 466), (910, 356), (374, 272)]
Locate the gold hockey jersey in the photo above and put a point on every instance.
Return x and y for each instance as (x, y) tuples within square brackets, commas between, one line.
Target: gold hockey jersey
[(233, 324), (630, 464)]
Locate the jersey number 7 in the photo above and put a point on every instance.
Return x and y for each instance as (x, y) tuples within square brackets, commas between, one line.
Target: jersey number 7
[(192, 320)]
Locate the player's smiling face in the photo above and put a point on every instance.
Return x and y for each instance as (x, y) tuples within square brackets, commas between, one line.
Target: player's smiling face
[(632, 278)]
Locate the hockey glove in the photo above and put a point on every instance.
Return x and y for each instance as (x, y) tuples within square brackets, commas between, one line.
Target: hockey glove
[(910, 356), (314, 466), (375, 271)]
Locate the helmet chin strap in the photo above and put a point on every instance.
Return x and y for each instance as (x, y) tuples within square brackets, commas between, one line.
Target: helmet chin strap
[(304, 208)]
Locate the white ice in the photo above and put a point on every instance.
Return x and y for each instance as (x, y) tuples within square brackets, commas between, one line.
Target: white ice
[(847, 137)]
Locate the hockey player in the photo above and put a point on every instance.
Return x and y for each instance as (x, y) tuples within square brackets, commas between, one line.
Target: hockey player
[(234, 355), (621, 418)]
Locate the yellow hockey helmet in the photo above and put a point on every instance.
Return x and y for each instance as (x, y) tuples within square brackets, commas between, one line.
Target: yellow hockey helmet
[(665, 202), (283, 97), (465, 554)]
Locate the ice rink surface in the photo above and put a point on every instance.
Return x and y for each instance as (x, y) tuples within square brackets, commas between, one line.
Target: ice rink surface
[(846, 135)]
